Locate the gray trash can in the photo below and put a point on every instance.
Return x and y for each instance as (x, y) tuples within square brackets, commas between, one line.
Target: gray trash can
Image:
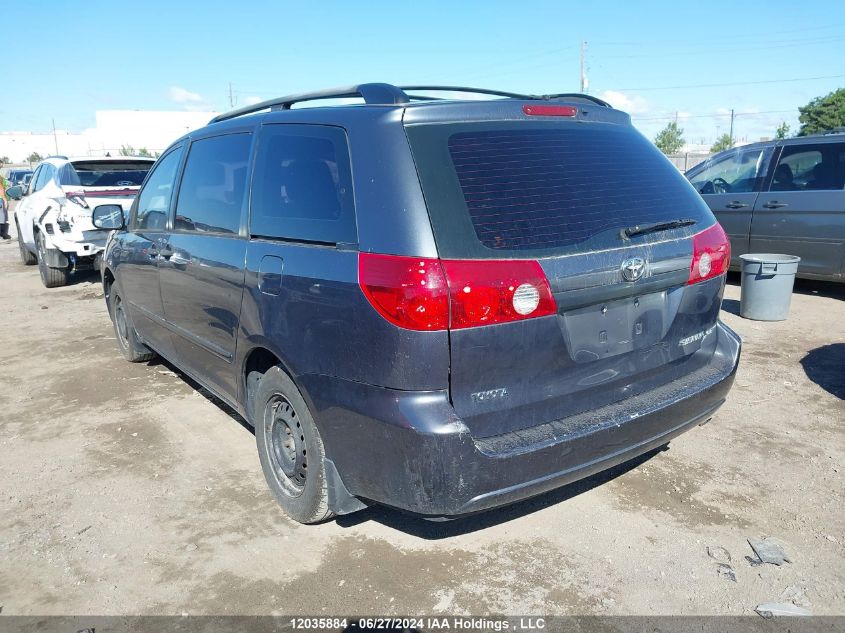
[(767, 281)]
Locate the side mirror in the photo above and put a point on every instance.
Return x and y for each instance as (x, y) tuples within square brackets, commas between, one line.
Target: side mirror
[(15, 193), (108, 217)]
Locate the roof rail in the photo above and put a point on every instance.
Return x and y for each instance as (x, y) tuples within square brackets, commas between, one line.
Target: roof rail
[(388, 94), (578, 95), (59, 156), (481, 91), (370, 93), (501, 93)]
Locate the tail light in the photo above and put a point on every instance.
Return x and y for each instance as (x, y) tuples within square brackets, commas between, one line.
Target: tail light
[(431, 294), (484, 292), (77, 197), (711, 254), (410, 292)]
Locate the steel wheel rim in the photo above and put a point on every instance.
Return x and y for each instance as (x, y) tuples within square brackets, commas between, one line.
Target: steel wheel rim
[(284, 439)]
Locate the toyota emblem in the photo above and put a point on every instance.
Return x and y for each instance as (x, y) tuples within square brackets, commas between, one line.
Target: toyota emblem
[(633, 268)]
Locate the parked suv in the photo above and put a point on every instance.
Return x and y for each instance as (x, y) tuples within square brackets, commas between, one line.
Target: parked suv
[(784, 196), (438, 305), (54, 216)]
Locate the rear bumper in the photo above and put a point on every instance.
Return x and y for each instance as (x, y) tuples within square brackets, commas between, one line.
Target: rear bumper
[(410, 450)]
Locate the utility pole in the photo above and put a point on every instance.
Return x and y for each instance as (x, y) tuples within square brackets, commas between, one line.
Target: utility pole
[(732, 127), (55, 138), (584, 83), (231, 96)]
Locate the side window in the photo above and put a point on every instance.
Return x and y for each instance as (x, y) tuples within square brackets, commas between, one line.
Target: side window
[(34, 180), (153, 203), (303, 185), (213, 189), (44, 173), (738, 173), (810, 168)]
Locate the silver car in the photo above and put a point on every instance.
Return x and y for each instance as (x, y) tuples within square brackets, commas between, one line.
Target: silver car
[(785, 196)]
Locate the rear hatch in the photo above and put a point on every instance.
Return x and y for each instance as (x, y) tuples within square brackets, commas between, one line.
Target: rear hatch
[(105, 181), (613, 227), (91, 182)]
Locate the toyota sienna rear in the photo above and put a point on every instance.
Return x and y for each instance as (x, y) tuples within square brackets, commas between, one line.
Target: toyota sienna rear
[(438, 305)]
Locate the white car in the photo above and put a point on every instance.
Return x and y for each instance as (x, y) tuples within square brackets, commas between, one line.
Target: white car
[(53, 218)]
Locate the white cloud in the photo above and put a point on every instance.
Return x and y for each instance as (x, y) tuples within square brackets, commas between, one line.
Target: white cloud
[(632, 104), (180, 95)]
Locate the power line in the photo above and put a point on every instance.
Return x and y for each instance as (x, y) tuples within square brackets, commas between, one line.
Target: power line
[(732, 83), (741, 49), (765, 36), (712, 115)]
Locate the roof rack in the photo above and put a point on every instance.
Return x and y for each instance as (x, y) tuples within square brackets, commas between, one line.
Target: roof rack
[(388, 94)]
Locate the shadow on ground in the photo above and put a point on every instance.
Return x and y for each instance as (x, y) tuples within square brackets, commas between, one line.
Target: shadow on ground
[(825, 366), (731, 305)]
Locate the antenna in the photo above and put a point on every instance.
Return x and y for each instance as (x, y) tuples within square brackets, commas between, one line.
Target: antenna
[(585, 84)]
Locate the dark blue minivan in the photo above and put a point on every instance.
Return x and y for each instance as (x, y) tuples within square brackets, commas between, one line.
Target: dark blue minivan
[(439, 305)]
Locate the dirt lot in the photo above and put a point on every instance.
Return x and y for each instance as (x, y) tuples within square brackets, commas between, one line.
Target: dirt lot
[(124, 490)]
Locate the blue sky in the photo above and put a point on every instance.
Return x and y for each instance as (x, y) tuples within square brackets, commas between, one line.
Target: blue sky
[(64, 60)]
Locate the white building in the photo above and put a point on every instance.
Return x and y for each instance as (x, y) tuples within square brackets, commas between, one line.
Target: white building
[(115, 129)]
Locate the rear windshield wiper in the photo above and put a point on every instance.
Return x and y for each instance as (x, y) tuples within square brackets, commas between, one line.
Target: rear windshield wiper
[(632, 231)]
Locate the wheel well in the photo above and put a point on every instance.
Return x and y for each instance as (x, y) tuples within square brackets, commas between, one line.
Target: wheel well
[(257, 363), (108, 281)]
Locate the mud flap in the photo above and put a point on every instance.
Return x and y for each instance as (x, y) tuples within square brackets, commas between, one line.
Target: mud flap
[(341, 500)]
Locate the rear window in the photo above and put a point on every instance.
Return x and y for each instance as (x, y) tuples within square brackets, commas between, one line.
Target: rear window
[(105, 174), (547, 187)]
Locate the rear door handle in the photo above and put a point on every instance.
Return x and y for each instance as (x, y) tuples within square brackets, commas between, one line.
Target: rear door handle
[(774, 204), (736, 204)]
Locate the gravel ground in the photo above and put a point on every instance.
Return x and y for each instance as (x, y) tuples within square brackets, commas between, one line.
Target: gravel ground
[(125, 489)]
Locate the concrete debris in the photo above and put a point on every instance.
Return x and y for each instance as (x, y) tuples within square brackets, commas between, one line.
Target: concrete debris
[(726, 571), (795, 595), (768, 551), (778, 609)]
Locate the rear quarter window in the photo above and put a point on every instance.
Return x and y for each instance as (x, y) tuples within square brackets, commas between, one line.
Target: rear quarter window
[(545, 188), (303, 185)]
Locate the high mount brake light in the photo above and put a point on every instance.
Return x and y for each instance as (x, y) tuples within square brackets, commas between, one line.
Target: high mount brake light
[(430, 294), (711, 254), (549, 110)]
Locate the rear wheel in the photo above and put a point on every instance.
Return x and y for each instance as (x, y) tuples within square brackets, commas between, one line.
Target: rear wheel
[(290, 449), (27, 258), (127, 339), (50, 277)]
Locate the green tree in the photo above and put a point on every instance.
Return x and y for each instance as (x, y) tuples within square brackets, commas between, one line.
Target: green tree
[(722, 143), (823, 113), (670, 139), (35, 157), (782, 131), (144, 152), (4, 160), (127, 150)]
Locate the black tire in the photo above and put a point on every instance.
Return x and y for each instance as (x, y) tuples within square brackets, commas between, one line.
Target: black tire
[(290, 449), (127, 339), (50, 277), (27, 258)]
